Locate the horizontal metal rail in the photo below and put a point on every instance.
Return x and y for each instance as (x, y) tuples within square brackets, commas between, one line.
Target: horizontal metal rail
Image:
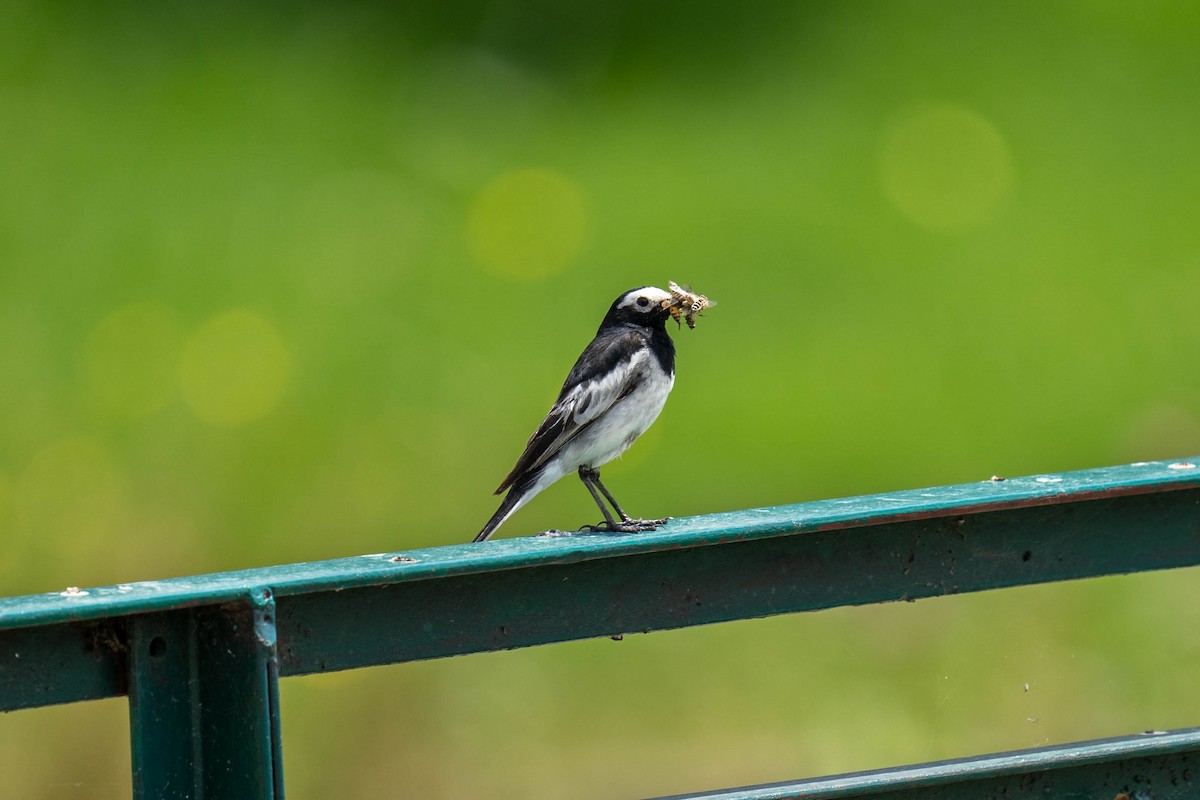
[(203, 654), (1155, 765)]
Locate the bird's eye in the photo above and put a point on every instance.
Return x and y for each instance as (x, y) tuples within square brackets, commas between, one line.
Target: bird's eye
[(643, 301)]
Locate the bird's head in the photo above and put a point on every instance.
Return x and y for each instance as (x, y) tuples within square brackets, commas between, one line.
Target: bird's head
[(648, 306)]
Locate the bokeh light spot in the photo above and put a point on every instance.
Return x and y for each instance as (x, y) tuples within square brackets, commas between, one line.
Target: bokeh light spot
[(527, 224), (70, 495), (234, 368), (130, 358), (946, 168)]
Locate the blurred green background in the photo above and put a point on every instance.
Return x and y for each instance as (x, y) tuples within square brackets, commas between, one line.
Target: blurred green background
[(296, 281)]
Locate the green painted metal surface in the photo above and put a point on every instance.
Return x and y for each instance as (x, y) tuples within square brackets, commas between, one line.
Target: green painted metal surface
[(502, 554), (162, 706), (526, 591), (200, 657), (1157, 765), (672, 588), (60, 663), (204, 703)]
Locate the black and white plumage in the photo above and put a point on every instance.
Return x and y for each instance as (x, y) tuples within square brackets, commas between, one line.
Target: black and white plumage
[(612, 395)]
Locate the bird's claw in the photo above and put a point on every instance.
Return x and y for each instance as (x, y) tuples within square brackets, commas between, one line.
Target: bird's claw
[(626, 526)]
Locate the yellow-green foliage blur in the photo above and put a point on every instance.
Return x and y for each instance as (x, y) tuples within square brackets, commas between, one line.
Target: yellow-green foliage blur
[(283, 282)]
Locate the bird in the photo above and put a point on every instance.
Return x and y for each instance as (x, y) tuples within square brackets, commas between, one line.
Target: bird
[(611, 396)]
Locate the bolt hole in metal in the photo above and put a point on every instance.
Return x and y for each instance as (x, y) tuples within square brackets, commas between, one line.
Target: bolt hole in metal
[(158, 647)]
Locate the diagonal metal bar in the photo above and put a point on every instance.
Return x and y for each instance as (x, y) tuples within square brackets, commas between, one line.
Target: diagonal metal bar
[(525, 591), (1157, 765), (200, 657), (755, 577)]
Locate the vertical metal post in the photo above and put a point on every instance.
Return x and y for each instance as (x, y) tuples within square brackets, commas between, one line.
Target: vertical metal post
[(204, 703), (165, 750)]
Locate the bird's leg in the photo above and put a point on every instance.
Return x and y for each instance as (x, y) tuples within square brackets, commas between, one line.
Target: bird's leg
[(595, 476), (587, 476), (636, 524), (591, 479)]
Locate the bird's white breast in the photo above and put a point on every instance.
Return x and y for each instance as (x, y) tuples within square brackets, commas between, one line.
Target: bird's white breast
[(611, 434)]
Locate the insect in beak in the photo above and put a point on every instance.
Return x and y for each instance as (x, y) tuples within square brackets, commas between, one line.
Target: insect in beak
[(686, 304)]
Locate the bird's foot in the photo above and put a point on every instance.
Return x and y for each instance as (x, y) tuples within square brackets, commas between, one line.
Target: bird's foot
[(626, 526)]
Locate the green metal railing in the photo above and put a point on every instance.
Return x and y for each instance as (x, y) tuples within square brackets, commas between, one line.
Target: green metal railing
[(200, 658)]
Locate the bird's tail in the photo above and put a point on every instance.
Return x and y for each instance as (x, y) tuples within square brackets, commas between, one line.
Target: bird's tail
[(516, 497)]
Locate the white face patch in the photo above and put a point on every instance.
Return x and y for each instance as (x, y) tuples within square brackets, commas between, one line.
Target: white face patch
[(648, 298)]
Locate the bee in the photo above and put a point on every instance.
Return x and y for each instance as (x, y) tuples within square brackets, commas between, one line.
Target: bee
[(686, 304)]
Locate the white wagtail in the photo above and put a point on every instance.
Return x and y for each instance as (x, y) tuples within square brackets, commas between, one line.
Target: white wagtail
[(612, 395)]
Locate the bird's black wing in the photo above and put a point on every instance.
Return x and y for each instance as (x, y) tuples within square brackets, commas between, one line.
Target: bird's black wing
[(610, 367)]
